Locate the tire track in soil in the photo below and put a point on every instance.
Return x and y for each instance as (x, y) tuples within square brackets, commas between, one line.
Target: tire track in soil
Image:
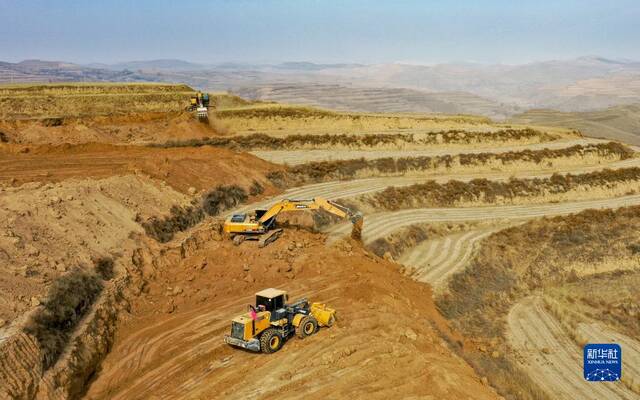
[(550, 357), (184, 342), (435, 265)]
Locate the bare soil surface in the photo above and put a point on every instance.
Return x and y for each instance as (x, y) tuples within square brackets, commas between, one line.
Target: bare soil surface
[(140, 128), (180, 352), (201, 168), (47, 229)]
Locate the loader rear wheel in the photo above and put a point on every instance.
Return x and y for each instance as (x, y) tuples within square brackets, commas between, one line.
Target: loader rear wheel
[(308, 326), (270, 341)]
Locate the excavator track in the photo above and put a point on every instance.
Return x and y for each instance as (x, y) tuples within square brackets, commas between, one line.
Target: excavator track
[(269, 237)]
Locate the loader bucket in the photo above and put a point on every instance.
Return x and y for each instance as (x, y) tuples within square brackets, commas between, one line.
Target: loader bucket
[(326, 316)]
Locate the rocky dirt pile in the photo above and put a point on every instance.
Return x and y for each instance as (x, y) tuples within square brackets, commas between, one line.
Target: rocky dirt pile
[(47, 229)]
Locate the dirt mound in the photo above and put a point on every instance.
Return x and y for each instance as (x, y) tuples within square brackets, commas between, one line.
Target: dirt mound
[(47, 229), (161, 353), (200, 168), (139, 128)]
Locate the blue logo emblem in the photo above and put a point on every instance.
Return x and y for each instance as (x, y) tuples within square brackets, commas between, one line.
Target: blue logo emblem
[(602, 362)]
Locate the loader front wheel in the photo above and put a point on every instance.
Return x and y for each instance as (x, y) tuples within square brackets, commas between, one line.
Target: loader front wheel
[(308, 326), (270, 341)]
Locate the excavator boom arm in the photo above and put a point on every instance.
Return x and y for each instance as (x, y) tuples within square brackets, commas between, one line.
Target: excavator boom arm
[(313, 204)]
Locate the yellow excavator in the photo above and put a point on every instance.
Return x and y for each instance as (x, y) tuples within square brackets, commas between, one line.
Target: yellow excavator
[(260, 224), (272, 321)]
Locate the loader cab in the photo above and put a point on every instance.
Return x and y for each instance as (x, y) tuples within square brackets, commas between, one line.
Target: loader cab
[(271, 299)]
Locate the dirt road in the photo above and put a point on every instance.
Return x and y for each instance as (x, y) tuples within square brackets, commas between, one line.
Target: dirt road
[(380, 224), (295, 157), (435, 260), (345, 189), (551, 358)]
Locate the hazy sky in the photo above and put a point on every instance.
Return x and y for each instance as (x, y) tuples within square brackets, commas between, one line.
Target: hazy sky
[(320, 31)]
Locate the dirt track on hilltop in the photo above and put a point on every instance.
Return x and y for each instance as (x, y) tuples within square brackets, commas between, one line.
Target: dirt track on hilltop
[(551, 358)]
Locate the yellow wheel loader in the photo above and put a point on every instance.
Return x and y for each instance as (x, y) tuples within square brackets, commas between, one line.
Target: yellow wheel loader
[(271, 322), (260, 224)]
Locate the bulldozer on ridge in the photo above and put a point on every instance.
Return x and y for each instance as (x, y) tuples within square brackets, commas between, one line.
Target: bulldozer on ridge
[(260, 224), (271, 322), (200, 104)]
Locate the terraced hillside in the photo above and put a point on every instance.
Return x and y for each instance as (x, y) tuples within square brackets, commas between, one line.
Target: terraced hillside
[(486, 189), (618, 123), (100, 112), (371, 99), (483, 213)]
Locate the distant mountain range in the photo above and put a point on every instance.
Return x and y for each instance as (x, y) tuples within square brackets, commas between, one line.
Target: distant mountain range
[(582, 84), (37, 71)]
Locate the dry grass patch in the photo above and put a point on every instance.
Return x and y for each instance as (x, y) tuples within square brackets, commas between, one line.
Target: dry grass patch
[(584, 300), (397, 141), (325, 171), (482, 191), (283, 120), (514, 262), (68, 300)]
